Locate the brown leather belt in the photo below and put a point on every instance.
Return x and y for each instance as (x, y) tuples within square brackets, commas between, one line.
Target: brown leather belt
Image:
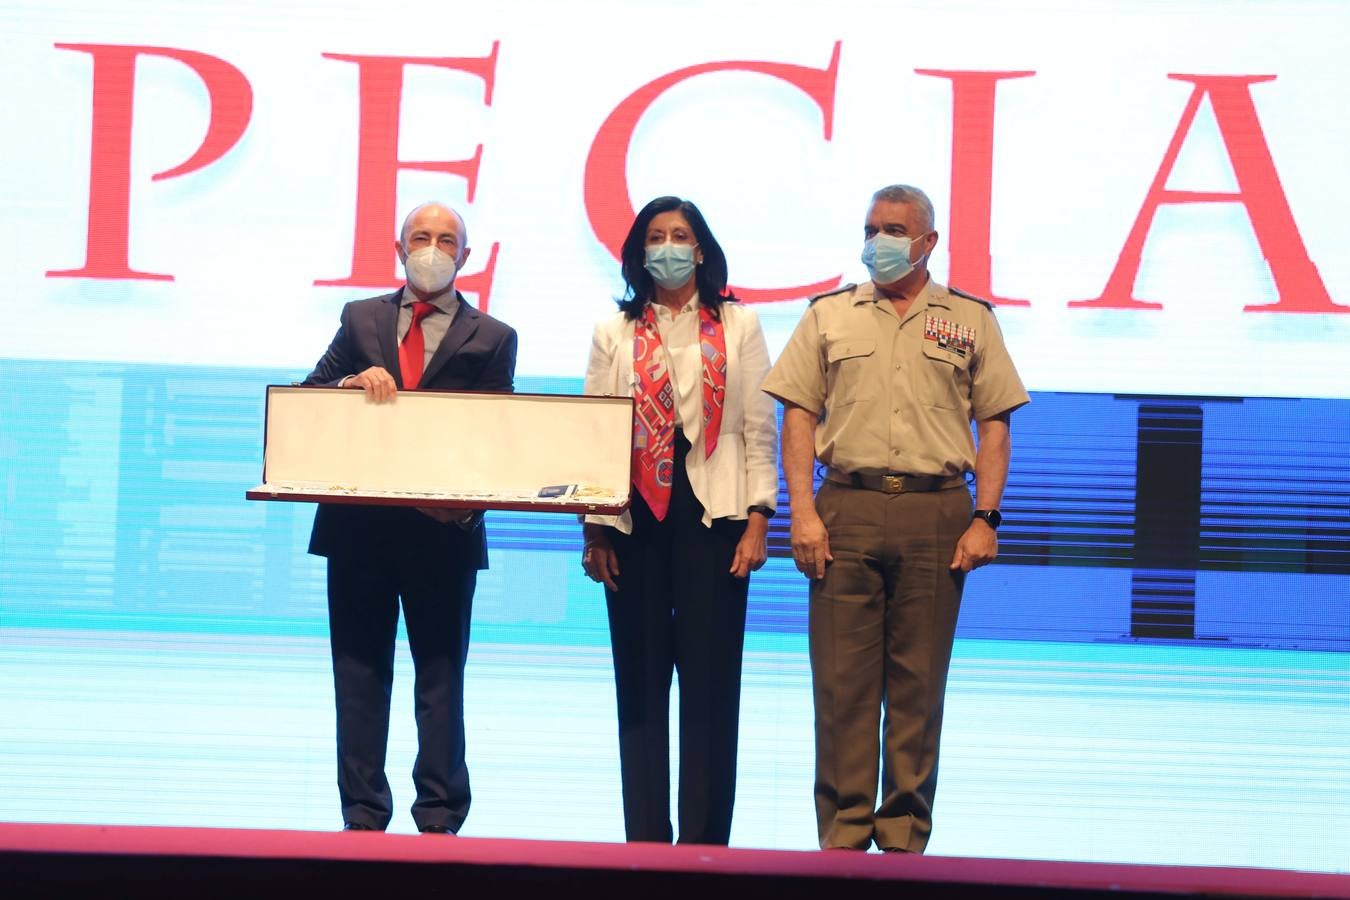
[(896, 483)]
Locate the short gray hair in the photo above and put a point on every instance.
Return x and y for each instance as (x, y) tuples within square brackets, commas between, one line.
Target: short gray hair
[(906, 193)]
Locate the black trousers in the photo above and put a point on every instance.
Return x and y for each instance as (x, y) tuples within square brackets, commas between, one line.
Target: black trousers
[(363, 608), (678, 609)]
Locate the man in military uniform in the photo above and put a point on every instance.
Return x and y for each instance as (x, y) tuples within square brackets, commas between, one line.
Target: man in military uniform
[(881, 382)]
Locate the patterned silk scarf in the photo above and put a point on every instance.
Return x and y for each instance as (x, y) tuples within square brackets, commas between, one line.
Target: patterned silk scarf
[(654, 413)]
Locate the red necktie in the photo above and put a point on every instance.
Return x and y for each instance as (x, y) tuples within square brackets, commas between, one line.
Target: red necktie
[(412, 352)]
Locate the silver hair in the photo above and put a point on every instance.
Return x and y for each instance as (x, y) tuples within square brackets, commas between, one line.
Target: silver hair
[(407, 220), (905, 193)]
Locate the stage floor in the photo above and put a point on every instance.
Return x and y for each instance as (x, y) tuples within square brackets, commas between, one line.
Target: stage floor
[(1079, 752), (156, 860)]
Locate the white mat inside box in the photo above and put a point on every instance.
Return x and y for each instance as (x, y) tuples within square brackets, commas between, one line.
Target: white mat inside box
[(439, 448)]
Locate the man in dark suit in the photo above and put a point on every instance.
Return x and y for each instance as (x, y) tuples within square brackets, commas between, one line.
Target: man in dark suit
[(423, 335)]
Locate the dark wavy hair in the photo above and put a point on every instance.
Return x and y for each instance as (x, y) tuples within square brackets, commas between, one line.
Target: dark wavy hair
[(710, 277)]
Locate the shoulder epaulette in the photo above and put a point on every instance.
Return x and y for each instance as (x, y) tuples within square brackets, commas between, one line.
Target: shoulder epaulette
[(960, 293), (839, 290)]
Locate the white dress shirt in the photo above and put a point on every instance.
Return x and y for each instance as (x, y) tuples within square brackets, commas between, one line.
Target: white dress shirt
[(681, 343)]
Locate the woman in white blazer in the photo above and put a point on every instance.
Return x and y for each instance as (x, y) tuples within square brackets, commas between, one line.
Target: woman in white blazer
[(676, 565)]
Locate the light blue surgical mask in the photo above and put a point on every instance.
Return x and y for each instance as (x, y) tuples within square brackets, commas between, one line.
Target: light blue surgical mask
[(887, 257), (671, 265)]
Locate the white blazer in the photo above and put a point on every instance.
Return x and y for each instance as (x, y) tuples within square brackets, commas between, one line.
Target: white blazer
[(743, 471)]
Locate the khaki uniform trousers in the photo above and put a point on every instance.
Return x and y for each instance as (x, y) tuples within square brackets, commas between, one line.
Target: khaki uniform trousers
[(882, 621)]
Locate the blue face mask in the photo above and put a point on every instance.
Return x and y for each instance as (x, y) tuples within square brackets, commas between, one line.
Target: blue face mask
[(670, 265), (887, 257)]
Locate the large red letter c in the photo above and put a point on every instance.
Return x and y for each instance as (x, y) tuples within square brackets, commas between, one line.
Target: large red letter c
[(608, 205)]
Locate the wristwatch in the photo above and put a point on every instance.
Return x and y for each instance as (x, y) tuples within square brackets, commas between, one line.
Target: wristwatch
[(992, 516), (765, 511)]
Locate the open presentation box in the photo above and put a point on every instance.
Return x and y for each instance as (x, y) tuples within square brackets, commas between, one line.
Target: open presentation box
[(540, 452)]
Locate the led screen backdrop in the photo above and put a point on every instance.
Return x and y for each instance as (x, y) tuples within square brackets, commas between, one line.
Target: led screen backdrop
[(1153, 193)]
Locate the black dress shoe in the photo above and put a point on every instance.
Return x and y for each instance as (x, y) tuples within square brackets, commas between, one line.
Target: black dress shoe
[(436, 829), (357, 826)]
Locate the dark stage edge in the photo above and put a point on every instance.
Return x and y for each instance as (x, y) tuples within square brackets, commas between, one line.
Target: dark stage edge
[(41, 860)]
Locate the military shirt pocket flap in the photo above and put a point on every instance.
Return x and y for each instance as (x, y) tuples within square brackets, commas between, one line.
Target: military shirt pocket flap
[(849, 348), (952, 356)]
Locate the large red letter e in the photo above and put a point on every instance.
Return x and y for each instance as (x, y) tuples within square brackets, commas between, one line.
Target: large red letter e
[(378, 165), (231, 100)]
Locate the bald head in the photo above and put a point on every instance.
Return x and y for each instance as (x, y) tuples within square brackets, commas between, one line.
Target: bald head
[(435, 224)]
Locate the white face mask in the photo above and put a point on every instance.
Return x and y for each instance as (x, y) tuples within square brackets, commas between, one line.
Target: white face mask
[(430, 269)]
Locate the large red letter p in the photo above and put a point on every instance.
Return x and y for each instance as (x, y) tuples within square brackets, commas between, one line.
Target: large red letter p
[(231, 100)]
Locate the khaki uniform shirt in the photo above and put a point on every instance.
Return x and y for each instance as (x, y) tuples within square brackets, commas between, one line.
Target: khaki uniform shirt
[(893, 395)]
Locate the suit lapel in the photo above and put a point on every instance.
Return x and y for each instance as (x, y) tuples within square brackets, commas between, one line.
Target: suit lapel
[(461, 329), (624, 377), (386, 328)]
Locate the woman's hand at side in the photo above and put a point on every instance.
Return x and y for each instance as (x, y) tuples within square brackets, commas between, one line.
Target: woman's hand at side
[(753, 547), (598, 557)]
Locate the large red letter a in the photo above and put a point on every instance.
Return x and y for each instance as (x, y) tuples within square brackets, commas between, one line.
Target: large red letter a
[(1298, 286)]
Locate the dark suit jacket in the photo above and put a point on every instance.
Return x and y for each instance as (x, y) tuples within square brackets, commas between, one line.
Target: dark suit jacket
[(478, 353)]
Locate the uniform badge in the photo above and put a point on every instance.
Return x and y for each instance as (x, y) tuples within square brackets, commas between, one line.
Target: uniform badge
[(949, 336)]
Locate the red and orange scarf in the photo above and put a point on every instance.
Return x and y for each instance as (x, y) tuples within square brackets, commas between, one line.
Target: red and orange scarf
[(654, 413)]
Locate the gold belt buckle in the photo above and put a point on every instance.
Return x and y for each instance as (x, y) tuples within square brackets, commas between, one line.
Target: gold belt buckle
[(892, 484)]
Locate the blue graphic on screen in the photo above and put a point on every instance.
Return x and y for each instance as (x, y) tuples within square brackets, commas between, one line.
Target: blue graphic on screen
[(137, 475)]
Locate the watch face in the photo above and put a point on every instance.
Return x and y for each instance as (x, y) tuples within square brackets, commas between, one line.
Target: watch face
[(992, 516)]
